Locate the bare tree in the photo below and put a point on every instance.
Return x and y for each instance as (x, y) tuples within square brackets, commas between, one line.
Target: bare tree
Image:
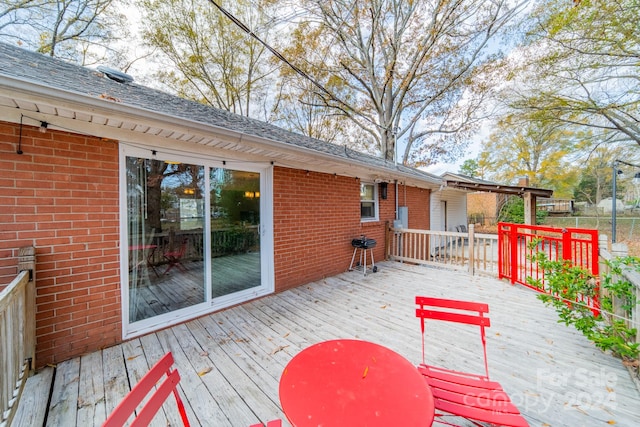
[(405, 72), (207, 57), (83, 31), (581, 67)]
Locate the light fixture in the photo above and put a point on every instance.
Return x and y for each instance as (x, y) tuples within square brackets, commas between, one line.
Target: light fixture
[(383, 190), (190, 191), (43, 127)]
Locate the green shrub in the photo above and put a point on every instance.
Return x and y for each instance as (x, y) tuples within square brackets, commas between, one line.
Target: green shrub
[(565, 285)]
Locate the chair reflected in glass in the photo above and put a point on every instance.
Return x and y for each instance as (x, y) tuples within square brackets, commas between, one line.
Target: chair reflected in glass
[(174, 257)]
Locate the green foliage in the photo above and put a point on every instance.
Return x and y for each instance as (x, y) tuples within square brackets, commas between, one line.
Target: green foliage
[(565, 285), (209, 59), (524, 145), (513, 211), (580, 67), (470, 168)]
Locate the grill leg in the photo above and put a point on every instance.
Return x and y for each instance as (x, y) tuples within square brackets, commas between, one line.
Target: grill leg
[(353, 258), (364, 270), (373, 264)]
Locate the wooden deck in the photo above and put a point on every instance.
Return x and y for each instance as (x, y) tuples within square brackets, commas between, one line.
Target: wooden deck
[(231, 361)]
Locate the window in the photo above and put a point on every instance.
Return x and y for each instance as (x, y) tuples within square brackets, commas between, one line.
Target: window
[(368, 202)]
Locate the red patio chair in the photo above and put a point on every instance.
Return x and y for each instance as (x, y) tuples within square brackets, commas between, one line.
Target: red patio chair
[(175, 257), (463, 394), (132, 400)]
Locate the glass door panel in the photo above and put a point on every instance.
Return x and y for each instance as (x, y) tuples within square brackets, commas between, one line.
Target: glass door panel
[(165, 220), (235, 231)]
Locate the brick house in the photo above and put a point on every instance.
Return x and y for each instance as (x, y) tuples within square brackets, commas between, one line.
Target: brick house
[(147, 210)]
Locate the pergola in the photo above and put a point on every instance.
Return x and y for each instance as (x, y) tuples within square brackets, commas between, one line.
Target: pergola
[(529, 194)]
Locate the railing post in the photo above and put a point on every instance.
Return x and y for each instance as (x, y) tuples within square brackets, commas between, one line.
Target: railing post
[(513, 254), (603, 246), (472, 249), (567, 253), (27, 262)]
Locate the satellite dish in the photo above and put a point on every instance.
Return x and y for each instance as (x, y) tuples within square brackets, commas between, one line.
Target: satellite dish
[(115, 75)]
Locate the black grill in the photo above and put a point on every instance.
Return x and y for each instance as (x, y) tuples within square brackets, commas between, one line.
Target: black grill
[(363, 243)]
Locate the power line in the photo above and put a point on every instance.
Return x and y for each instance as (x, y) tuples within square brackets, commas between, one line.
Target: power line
[(281, 57)]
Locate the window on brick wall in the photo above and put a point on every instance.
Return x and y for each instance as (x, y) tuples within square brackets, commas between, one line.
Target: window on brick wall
[(368, 202)]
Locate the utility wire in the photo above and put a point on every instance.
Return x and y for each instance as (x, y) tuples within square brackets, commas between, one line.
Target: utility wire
[(281, 57)]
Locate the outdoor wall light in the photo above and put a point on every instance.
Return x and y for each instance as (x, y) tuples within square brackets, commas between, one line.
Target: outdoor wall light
[(43, 127), (383, 190)]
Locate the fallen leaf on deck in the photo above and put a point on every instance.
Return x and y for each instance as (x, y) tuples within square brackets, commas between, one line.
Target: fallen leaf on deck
[(132, 357), (611, 422), (204, 372), (279, 348), (286, 335), (204, 353), (384, 306)]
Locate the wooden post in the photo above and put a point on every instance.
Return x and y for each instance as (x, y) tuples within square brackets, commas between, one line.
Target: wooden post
[(27, 262), (529, 208), (472, 248)]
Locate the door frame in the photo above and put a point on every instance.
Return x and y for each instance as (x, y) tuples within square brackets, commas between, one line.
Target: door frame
[(130, 330)]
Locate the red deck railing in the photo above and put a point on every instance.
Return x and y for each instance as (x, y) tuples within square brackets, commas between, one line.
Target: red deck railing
[(580, 246)]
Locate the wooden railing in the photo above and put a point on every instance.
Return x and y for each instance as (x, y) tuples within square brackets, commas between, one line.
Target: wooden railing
[(474, 252), (17, 334), (620, 308)]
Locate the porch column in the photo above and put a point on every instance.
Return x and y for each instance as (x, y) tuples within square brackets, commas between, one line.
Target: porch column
[(529, 208)]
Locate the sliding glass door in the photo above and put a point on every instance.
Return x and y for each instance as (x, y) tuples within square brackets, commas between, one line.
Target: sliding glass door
[(165, 205), (235, 231), (193, 235)]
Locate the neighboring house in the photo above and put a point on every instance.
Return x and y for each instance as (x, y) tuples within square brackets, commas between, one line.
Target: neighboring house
[(147, 210)]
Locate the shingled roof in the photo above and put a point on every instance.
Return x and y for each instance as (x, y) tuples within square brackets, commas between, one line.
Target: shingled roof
[(27, 73)]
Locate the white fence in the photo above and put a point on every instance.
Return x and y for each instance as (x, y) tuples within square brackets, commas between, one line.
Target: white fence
[(470, 251), (620, 308)]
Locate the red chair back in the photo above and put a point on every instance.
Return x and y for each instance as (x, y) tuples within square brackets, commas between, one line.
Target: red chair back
[(467, 312), (142, 389)]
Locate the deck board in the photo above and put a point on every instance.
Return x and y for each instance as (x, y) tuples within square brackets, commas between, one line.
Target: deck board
[(231, 361)]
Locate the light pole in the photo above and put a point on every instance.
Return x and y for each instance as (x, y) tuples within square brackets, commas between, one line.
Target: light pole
[(614, 198), (614, 201)]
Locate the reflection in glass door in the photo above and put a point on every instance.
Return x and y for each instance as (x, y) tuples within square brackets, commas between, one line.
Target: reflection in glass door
[(165, 222), (235, 231)]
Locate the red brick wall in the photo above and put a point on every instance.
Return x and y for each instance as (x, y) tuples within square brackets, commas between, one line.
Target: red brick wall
[(417, 201), (61, 196), (317, 215)]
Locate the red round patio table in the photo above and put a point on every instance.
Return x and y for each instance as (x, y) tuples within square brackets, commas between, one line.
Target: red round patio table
[(354, 383)]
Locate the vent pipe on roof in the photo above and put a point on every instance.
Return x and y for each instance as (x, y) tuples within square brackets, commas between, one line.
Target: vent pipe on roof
[(115, 75)]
